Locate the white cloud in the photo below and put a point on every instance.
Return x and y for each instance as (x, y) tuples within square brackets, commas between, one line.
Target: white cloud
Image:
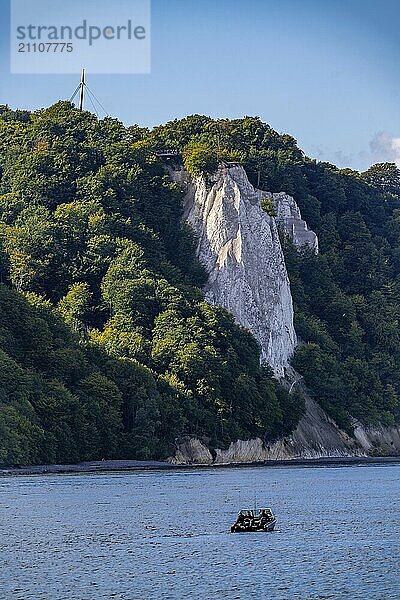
[(385, 148)]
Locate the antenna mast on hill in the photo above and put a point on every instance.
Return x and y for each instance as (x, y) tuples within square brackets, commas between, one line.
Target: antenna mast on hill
[(82, 90)]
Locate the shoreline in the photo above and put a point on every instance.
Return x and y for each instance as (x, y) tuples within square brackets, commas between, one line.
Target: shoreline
[(118, 466)]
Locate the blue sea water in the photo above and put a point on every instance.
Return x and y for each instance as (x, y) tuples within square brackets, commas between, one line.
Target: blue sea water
[(165, 535)]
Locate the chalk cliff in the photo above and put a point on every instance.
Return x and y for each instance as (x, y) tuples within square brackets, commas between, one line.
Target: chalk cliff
[(240, 248), (378, 439)]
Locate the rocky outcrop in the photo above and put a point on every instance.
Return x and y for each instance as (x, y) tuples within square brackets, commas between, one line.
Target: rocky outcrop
[(378, 440), (192, 451), (288, 218), (239, 246), (316, 436)]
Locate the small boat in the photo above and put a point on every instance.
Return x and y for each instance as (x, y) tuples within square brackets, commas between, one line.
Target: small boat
[(248, 520)]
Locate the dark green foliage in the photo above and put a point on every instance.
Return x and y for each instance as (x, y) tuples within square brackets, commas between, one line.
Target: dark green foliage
[(385, 177), (347, 310), (200, 157)]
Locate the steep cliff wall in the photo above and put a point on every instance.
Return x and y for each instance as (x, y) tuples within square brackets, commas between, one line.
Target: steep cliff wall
[(240, 248)]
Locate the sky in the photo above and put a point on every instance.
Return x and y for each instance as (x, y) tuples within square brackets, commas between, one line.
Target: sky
[(325, 71)]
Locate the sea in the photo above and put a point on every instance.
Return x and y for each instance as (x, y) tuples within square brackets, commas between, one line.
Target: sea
[(166, 534)]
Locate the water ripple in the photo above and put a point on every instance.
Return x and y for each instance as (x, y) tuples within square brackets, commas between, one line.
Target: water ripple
[(165, 535)]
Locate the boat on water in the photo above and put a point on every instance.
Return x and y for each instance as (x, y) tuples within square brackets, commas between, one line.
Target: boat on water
[(249, 520)]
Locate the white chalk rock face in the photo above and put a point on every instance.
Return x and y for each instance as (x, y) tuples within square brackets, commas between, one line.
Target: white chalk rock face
[(288, 218), (240, 248)]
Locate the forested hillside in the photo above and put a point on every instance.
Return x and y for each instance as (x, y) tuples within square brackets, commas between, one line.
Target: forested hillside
[(107, 348)]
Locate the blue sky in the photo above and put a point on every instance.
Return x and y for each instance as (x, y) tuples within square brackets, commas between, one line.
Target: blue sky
[(325, 71)]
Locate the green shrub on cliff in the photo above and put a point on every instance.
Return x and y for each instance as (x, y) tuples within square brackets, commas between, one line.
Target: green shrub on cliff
[(200, 157)]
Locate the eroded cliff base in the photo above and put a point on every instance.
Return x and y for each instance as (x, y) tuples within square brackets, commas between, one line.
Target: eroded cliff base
[(316, 437)]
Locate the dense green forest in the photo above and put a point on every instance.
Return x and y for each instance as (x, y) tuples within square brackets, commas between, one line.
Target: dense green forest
[(107, 347)]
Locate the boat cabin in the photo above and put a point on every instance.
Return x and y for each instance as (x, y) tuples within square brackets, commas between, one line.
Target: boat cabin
[(249, 520)]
